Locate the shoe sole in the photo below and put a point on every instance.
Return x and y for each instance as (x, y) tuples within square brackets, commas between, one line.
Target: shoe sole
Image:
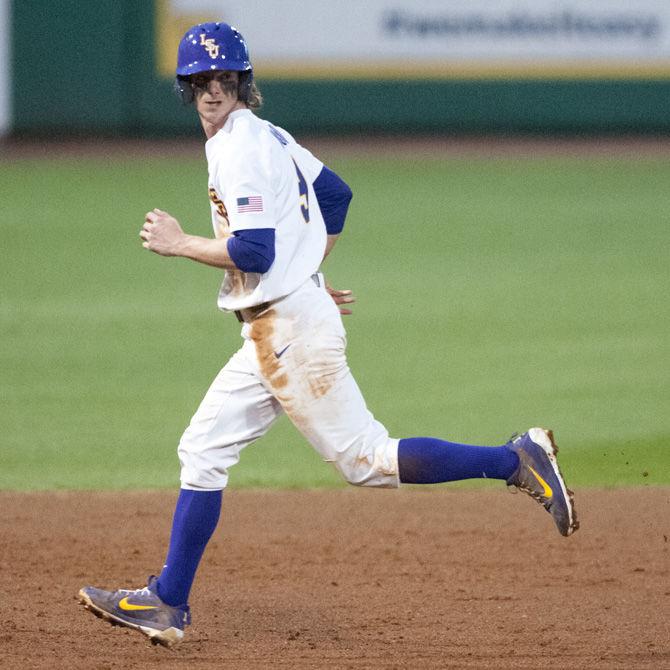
[(166, 638), (545, 439)]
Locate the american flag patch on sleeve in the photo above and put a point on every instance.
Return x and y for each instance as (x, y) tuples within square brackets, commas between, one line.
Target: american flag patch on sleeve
[(252, 203)]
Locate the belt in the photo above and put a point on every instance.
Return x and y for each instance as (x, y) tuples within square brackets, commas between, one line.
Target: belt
[(248, 314)]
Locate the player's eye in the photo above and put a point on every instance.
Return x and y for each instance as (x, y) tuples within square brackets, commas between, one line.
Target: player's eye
[(201, 82)]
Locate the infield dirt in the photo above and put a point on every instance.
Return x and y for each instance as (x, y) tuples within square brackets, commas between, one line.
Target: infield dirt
[(348, 579)]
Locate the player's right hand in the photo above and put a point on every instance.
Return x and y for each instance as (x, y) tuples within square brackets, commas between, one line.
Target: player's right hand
[(162, 233)]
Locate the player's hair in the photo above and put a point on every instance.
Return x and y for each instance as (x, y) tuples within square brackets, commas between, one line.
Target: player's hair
[(254, 98)]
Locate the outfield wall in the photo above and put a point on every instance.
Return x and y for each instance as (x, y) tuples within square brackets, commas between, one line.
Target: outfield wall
[(5, 85), (512, 66)]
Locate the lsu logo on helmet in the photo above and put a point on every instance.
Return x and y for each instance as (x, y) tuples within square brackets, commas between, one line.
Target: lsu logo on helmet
[(209, 44)]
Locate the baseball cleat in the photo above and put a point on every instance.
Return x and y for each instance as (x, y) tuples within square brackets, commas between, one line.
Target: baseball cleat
[(139, 609), (538, 476)]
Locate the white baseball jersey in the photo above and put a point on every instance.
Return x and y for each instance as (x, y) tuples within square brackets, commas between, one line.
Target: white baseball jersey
[(259, 177)]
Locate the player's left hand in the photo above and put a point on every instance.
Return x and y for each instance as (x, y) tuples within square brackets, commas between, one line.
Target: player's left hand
[(345, 297), (161, 233)]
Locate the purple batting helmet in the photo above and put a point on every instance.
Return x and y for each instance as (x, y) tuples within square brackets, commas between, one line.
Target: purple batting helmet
[(212, 46)]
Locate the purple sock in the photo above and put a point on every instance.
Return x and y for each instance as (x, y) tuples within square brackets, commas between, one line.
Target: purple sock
[(195, 519), (427, 460)]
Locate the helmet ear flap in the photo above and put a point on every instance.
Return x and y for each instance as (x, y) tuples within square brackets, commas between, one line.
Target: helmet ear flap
[(183, 89), (246, 79)]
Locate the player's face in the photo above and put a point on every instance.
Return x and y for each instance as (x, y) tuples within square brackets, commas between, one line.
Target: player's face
[(215, 97)]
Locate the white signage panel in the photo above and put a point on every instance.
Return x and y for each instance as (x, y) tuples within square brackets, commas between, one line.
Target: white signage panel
[(440, 37)]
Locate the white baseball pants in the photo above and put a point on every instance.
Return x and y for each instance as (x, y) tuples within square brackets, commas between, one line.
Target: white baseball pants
[(292, 360)]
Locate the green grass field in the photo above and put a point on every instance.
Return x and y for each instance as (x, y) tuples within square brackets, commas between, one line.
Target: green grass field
[(493, 295)]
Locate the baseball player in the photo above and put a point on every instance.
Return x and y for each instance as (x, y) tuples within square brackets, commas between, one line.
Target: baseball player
[(277, 212)]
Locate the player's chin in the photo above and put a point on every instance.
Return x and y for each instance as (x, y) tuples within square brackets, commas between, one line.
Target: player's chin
[(214, 114)]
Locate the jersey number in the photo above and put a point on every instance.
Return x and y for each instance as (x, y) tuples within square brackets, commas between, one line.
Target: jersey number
[(304, 193)]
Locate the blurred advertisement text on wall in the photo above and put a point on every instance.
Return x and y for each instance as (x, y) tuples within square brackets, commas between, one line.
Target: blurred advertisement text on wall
[(435, 38)]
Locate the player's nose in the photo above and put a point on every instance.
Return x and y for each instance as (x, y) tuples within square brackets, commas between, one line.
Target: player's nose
[(214, 87)]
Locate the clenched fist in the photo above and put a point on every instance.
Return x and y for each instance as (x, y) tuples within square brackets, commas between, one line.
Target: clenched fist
[(162, 233)]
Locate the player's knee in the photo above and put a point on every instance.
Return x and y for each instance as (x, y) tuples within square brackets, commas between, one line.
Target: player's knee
[(204, 466), (375, 466)]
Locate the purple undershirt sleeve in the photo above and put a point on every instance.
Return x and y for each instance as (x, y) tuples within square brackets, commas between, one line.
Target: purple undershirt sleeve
[(333, 196), (253, 249)]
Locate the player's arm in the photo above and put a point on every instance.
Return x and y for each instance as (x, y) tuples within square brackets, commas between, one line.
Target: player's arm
[(246, 250), (330, 243), (334, 195)]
